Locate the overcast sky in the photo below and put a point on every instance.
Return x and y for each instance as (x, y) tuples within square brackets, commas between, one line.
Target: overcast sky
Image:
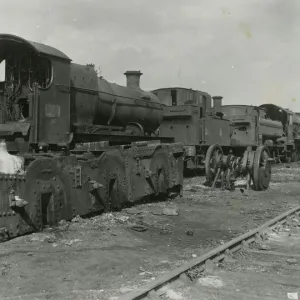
[(245, 50)]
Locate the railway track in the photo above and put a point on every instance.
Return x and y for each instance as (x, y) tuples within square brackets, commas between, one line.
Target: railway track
[(261, 264)]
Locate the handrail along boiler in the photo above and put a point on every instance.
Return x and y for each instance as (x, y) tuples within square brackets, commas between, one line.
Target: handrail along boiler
[(86, 144)]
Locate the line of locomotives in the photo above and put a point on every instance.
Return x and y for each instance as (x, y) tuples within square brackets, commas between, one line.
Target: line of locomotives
[(74, 144), (227, 140)]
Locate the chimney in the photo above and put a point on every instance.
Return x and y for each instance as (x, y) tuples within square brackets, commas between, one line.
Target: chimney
[(217, 100), (133, 79)]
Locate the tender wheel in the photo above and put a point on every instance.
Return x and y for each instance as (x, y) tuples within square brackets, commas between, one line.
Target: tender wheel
[(212, 162), (261, 168)]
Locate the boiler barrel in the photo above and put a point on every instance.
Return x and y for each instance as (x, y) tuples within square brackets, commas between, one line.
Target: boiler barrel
[(99, 102), (270, 128), (128, 105)]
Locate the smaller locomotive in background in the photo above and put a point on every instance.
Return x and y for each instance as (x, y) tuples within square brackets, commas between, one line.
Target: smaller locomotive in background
[(269, 125), (227, 141), (85, 145)]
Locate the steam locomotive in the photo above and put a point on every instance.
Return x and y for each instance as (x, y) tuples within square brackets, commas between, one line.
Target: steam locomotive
[(243, 126), (73, 143), (269, 125), (216, 138)]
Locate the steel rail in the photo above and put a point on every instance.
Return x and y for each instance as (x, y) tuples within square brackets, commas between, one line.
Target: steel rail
[(216, 254)]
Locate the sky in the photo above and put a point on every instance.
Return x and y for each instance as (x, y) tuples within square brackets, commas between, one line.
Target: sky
[(247, 51)]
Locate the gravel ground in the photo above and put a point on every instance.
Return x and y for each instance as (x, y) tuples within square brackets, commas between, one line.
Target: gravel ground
[(109, 255)]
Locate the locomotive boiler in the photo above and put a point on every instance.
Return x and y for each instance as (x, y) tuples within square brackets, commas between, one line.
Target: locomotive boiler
[(73, 143), (127, 107), (196, 119)]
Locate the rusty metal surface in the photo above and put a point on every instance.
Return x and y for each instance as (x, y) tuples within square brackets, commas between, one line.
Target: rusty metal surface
[(60, 188)]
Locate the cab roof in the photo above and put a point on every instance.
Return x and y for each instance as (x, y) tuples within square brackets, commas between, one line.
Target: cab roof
[(38, 48)]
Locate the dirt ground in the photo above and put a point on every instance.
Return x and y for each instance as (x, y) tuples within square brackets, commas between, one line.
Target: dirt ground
[(109, 255)]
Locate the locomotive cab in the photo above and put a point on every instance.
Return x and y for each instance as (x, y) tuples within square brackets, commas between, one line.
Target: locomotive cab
[(49, 103), (34, 94)]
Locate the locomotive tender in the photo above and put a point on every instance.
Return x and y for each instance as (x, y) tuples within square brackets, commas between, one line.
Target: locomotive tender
[(85, 144), (207, 135)]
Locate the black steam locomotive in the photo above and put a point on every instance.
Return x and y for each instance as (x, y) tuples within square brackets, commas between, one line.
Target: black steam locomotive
[(73, 143)]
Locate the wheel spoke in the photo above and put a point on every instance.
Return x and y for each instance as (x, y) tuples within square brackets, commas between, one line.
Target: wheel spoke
[(261, 168), (213, 157)]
